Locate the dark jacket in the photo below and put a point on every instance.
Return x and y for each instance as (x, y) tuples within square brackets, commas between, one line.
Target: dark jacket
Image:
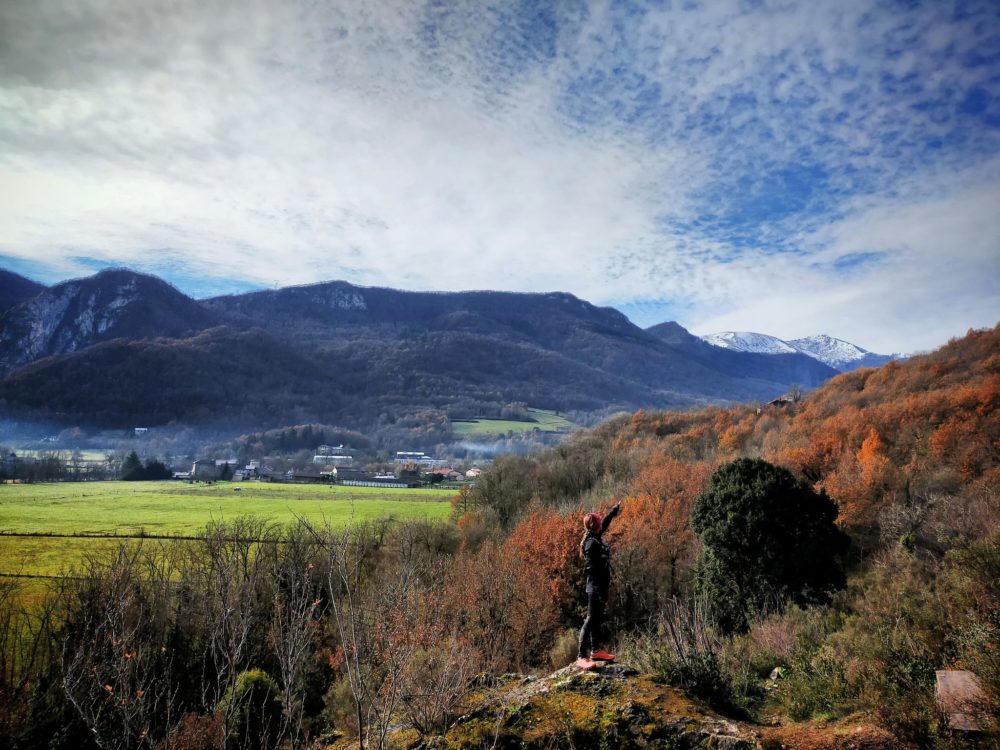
[(597, 555)]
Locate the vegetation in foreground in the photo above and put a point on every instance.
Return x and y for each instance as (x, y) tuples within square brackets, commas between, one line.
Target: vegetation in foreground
[(390, 633)]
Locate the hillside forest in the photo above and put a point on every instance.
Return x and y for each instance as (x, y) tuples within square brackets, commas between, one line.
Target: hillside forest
[(257, 636)]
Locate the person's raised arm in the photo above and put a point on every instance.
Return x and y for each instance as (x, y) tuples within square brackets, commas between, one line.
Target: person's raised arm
[(612, 514)]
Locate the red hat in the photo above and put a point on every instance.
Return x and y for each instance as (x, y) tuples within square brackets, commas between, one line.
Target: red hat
[(593, 521)]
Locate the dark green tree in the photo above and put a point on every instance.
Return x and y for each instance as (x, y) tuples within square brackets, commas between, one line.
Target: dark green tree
[(132, 469), (156, 470), (767, 538)]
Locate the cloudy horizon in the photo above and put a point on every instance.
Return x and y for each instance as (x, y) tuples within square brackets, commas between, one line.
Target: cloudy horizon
[(792, 168)]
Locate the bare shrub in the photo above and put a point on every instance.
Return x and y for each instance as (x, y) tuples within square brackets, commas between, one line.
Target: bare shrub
[(225, 579), (564, 649), (371, 615), (196, 732), (434, 682), (297, 605), (116, 668)]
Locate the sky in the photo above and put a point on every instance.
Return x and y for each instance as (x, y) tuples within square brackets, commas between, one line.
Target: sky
[(790, 168)]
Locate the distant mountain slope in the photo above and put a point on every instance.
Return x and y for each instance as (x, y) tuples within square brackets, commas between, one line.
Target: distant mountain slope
[(79, 313), (306, 313), (747, 341), (217, 375), (790, 368), (15, 289), (841, 355), (324, 315), (361, 356)]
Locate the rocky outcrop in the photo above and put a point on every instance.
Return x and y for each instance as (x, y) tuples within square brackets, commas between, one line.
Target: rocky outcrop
[(77, 314), (612, 707)]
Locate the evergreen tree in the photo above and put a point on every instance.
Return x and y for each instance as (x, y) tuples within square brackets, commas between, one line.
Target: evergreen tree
[(132, 469), (767, 538), (156, 470)]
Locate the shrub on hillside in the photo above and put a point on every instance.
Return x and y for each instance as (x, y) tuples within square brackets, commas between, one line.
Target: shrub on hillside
[(252, 708), (684, 651)]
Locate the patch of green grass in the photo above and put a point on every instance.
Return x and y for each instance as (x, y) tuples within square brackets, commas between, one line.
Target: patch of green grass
[(544, 421), (86, 455), (178, 509), (46, 555)]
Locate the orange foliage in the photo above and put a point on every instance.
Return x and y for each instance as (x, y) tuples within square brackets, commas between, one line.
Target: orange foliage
[(653, 541), (548, 544), (495, 600), (865, 436)]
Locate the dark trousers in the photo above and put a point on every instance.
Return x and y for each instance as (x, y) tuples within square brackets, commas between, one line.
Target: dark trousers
[(590, 633)]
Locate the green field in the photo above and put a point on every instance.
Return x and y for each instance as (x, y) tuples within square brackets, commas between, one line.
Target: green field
[(86, 455), (545, 421), (176, 509)]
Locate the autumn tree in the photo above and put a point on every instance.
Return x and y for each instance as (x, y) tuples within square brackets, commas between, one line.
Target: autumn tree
[(654, 547)]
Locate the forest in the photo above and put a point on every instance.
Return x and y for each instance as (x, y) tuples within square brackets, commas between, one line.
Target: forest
[(847, 542)]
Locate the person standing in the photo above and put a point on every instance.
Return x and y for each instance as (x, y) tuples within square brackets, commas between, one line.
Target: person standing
[(597, 557)]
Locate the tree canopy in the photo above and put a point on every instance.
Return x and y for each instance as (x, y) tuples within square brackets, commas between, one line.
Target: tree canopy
[(767, 538)]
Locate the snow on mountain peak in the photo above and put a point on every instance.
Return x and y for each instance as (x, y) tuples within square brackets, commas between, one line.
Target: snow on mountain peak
[(839, 354), (829, 349), (747, 341)]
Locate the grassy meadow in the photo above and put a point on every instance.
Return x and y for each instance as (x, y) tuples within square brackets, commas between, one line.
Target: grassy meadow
[(79, 510), (545, 421)]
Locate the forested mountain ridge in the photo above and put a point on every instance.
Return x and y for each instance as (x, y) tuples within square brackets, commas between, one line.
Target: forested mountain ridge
[(363, 354)]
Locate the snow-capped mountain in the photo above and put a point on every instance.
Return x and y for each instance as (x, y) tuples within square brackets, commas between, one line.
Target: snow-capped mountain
[(837, 353), (746, 341)]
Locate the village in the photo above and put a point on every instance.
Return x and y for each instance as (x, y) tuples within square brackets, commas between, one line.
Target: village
[(333, 464), (330, 464)]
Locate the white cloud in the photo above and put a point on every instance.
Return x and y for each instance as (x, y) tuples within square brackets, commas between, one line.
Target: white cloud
[(937, 277), (607, 155)]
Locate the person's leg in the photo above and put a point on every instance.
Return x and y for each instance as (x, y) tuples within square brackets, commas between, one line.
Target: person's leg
[(596, 616), (586, 638)]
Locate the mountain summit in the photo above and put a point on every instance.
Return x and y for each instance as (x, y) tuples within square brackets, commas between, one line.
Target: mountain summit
[(116, 303), (839, 354), (747, 341), (15, 289)]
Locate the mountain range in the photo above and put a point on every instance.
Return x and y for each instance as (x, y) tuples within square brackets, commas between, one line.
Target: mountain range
[(837, 353), (120, 348)]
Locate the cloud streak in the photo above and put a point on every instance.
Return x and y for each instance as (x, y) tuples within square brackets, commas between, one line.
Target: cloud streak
[(721, 162)]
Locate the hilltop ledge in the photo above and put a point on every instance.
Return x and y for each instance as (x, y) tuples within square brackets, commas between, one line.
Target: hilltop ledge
[(611, 707)]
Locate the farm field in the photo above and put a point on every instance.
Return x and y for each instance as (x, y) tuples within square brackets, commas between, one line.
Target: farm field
[(78, 510), (86, 455), (545, 421)]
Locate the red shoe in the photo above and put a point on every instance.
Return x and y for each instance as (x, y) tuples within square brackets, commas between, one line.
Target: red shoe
[(584, 663), (602, 656)]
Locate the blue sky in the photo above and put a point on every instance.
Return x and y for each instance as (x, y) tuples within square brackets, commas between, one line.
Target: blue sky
[(783, 167)]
